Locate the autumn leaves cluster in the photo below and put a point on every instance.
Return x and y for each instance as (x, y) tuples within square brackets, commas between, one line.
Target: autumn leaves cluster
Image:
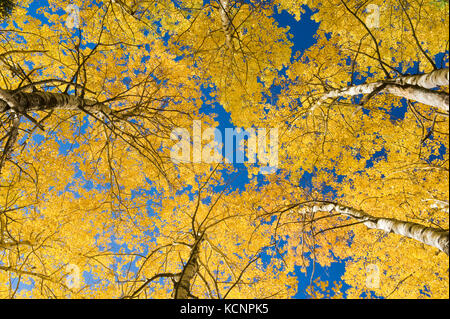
[(87, 177)]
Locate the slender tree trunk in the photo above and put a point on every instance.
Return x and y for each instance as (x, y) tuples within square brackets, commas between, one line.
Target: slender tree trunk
[(434, 237), (23, 102), (10, 141), (183, 285), (412, 87), (227, 25)]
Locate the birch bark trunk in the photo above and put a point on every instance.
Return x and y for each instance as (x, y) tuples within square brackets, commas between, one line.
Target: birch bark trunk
[(412, 87), (434, 237), (23, 102), (226, 22), (183, 285), (9, 145)]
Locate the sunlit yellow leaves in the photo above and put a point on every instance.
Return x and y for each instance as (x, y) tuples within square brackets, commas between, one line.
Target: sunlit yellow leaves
[(97, 188)]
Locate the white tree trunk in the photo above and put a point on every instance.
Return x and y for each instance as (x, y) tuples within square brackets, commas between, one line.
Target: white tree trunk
[(412, 87), (227, 26), (434, 237), (23, 102)]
